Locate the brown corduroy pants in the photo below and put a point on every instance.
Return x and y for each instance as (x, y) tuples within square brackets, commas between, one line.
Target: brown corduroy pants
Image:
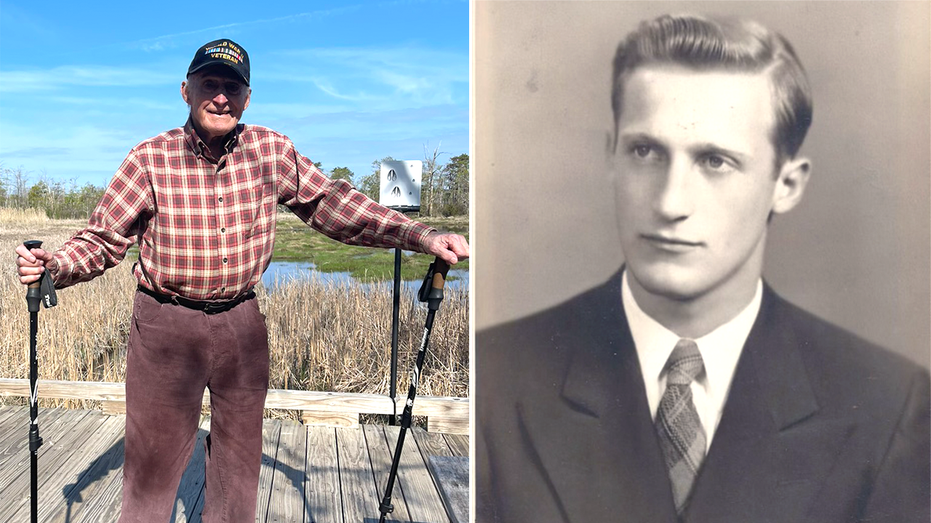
[(174, 352)]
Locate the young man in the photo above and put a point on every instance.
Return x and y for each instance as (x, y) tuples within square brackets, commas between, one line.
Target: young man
[(200, 201), (685, 389)]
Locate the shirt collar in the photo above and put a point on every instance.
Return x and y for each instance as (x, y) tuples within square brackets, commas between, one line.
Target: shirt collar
[(720, 349), (198, 146)]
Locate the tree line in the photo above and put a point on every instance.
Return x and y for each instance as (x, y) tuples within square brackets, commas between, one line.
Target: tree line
[(444, 188), (59, 199)]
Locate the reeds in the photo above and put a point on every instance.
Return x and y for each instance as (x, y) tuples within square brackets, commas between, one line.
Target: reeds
[(14, 220), (322, 336)]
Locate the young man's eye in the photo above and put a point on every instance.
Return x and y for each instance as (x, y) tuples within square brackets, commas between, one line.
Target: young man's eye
[(642, 150), (717, 163)]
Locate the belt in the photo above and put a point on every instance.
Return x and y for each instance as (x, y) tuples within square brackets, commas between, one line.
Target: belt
[(209, 307)]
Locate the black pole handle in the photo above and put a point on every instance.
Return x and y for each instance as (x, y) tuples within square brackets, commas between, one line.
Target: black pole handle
[(41, 290), (431, 291), (33, 291)]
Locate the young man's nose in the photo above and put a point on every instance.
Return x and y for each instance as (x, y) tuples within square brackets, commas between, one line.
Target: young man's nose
[(674, 199)]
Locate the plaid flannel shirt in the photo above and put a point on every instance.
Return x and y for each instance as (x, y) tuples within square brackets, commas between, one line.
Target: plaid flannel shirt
[(206, 227)]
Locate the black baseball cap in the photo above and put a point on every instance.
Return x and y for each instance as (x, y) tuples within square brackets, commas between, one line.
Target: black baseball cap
[(222, 52)]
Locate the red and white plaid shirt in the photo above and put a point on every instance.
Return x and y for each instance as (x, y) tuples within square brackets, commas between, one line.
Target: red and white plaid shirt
[(206, 228)]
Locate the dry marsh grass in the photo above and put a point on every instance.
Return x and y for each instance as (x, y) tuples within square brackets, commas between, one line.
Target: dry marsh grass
[(327, 337), (14, 220)]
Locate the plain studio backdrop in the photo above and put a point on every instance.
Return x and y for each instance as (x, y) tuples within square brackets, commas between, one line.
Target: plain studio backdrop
[(855, 251)]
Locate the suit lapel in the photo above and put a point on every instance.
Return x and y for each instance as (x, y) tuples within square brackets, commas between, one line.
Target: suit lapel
[(770, 450), (596, 441)]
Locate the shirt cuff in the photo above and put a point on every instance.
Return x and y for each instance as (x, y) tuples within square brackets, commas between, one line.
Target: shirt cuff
[(416, 236), (57, 270)]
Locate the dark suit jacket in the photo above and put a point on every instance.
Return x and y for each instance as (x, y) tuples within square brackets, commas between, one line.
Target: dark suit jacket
[(820, 426)]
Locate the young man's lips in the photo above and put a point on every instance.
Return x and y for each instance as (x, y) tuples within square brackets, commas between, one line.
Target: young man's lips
[(669, 243)]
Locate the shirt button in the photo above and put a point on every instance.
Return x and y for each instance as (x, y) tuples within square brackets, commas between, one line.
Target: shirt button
[(223, 289), (225, 260), (220, 199), (222, 229)]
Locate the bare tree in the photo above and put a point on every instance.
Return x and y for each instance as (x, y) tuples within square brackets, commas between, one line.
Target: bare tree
[(431, 169)]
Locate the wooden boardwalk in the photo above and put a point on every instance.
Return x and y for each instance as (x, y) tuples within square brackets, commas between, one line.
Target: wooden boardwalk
[(309, 473)]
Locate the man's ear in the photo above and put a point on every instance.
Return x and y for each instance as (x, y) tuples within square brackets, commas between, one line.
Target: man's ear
[(184, 96), (245, 104), (790, 185)]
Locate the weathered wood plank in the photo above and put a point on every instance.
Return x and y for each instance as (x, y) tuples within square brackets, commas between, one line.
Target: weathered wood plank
[(451, 413), (431, 443), (420, 493), (360, 501), (448, 425), (107, 500), (381, 463), (112, 407), (98, 493), (451, 475), (323, 501), (91, 464), (330, 419), (90, 433), (16, 429), (8, 413), (271, 431), (76, 390), (328, 401), (459, 444), (287, 496), (18, 424), (442, 406), (59, 436), (83, 476)]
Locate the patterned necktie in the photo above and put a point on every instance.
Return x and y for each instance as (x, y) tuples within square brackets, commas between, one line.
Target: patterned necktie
[(680, 432)]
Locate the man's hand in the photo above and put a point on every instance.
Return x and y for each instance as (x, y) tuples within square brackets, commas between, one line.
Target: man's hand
[(446, 246), (31, 264)]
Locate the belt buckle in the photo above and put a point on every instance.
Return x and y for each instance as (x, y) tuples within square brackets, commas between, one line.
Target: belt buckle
[(214, 308)]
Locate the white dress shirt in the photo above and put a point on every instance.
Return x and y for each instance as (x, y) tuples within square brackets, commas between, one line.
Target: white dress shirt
[(720, 350)]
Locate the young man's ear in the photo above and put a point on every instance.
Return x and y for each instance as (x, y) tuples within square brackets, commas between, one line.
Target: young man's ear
[(790, 185)]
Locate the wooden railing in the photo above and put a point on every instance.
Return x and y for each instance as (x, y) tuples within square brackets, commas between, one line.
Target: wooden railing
[(341, 409)]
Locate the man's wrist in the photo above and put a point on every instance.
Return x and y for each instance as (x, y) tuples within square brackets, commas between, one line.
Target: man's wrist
[(423, 234)]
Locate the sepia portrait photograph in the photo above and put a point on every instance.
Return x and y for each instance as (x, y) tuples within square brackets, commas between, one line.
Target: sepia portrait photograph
[(702, 261)]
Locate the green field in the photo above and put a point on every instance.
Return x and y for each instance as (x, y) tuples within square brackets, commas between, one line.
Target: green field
[(295, 241)]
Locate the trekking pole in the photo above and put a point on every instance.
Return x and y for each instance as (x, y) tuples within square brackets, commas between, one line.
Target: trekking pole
[(431, 292), (42, 290)]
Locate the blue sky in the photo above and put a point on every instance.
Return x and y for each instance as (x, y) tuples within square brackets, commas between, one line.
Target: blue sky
[(83, 82)]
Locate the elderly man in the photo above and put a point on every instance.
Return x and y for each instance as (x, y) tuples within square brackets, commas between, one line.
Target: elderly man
[(685, 389), (200, 201)]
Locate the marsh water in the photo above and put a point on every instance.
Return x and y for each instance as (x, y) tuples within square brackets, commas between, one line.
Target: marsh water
[(282, 272)]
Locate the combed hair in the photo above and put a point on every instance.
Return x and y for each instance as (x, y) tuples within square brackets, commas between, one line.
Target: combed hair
[(723, 44)]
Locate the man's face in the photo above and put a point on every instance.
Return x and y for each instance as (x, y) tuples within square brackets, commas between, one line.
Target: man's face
[(217, 99), (695, 179)]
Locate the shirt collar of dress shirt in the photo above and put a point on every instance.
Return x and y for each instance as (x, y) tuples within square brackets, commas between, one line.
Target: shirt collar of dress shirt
[(720, 349)]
